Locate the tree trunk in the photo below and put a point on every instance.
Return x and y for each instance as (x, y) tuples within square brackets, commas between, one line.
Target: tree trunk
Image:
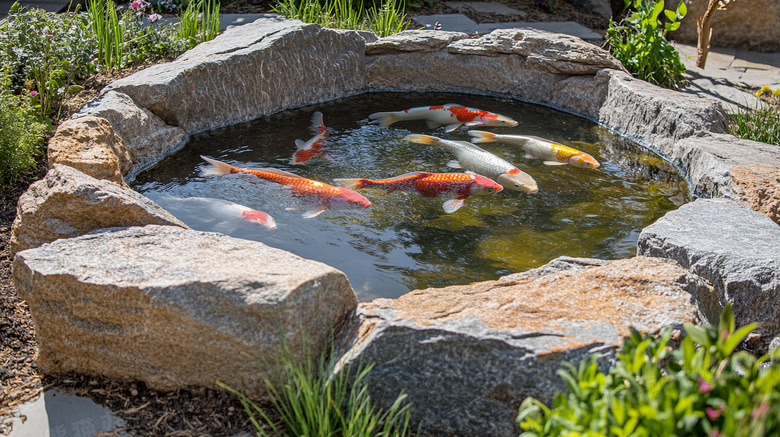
[(704, 29)]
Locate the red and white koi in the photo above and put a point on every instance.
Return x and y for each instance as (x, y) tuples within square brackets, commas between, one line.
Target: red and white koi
[(456, 187), (450, 115), (216, 210), (315, 146), (540, 148), (482, 162), (322, 196)]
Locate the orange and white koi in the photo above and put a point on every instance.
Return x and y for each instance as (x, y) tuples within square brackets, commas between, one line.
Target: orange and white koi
[(482, 162), (215, 210), (540, 148), (315, 146), (456, 187), (322, 196), (450, 115)]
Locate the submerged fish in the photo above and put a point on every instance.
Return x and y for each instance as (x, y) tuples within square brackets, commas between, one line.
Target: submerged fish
[(540, 148), (456, 187), (321, 195), (315, 146), (218, 213), (482, 162), (450, 115)]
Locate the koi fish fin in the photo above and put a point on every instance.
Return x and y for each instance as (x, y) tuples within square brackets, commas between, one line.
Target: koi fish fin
[(553, 163), (317, 126), (478, 136), (474, 123), (352, 184), (260, 217), (453, 205), (300, 144), (529, 156), (313, 213), (451, 127), (432, 124), (384, 118), (454, 163), (216, 168), (422, 139)]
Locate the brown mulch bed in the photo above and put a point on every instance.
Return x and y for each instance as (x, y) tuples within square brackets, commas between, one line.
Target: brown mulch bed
[(145, 411)]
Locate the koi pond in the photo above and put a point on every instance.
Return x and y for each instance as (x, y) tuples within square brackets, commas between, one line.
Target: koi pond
[(405, 241)]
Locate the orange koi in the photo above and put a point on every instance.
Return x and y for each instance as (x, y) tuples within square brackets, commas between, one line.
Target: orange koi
[(322, 195), (450, 115), (456, 187), (315, 146), (536, 148)]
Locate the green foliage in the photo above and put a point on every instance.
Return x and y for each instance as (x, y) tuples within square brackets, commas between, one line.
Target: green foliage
[(199, 22), (639, 42), (384, 19), (44, 53), (759, 124), (109, 33), (704, 388), (313, 401), (21, 137)]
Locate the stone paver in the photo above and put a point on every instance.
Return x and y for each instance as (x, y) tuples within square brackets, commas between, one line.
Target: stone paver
[(486, 7), (462, 23)]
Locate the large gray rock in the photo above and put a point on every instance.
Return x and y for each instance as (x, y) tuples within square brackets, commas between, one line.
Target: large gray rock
[(414, 41), (736, 249), (174, 307), (259, 68), (146, 137), (68, 203), (467, 356)]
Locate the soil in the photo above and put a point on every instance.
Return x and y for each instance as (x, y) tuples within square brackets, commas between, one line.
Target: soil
[(145, 411)]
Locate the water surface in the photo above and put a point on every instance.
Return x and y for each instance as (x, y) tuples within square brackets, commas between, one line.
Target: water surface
[(404, 241)]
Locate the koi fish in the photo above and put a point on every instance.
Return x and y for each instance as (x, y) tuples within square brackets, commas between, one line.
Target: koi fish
[(450, 115), (315, 146), (209, 210), (539, 148), (481, 161), (323, 196), (454, 186)]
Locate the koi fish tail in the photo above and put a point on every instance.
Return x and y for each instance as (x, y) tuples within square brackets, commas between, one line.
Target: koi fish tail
[(478, 136), (352, 184), (217, 168), (422, 139), (385, 118)]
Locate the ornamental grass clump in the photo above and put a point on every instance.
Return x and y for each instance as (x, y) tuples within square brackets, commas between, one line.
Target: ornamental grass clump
[(312, 399), (703, 388), (761, 124), (384, 19), (639, 42)]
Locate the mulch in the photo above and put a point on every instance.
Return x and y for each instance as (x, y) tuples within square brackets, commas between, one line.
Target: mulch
[(194, 412)]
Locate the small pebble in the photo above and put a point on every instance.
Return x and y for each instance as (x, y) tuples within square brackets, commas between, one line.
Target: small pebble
[(133, 392)]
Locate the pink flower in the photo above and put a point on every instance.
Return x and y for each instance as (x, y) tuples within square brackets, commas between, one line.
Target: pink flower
[(704, 386), (760, 411), (724, 334), (135, 4), (153, 17), (713, 413), (33, 93), (47, 32)]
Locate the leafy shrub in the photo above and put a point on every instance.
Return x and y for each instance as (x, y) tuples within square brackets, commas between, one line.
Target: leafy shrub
[(639, 42), (45, 52), (21, 137), (311, 400), (703, 388)]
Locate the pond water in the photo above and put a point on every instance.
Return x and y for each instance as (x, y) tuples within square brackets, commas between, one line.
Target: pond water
[(405, 241)]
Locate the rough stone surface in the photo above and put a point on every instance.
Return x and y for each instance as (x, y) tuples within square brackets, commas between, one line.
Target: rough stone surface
[(758, 187), (68, 203), (175, 307), (467, 356), (747, 25), (146, 137), (246, 73), (545, 51), (91, 146), (736, 249), (709, 158), (414, 41)]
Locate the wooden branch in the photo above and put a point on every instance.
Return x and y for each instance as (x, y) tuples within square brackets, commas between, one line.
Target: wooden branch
[(704, 29)]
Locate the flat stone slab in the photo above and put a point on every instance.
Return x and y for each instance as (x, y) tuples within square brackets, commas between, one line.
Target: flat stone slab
[(486, 7), (736, 249), (462, 23), (174, 307), (467, 356)]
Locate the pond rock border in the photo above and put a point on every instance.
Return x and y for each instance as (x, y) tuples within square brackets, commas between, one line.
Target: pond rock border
[(99, 286)]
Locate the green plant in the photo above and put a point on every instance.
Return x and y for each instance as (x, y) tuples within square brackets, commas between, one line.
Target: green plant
[(639, 42), (387, 19), (44, 53), (761, 124), (704, 388), (312, 400), (199, 22), (21, 137), (109, 33)]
